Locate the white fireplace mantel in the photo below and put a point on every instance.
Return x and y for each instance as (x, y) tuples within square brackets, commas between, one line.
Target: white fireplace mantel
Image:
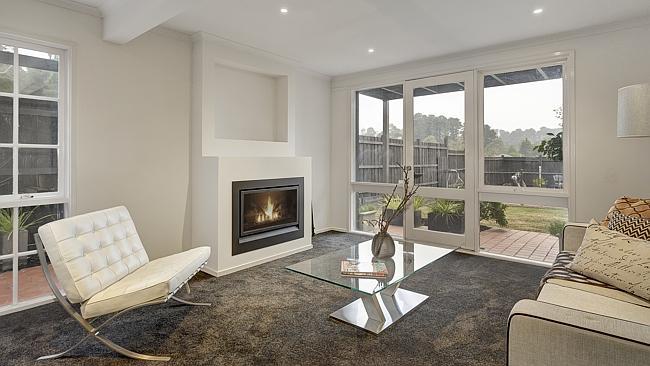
[(212, 209)]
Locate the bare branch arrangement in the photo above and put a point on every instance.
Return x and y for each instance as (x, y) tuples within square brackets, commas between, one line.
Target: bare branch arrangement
[(383, 221)]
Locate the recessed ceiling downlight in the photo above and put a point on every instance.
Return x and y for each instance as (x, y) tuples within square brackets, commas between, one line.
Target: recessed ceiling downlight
[(538, 11), (371, 50), (284, 10)]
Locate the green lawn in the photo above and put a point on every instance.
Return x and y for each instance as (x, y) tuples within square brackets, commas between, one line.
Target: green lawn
[(536, 219)]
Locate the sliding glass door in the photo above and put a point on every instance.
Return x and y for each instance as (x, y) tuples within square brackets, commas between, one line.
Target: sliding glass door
[(523, 186), (440, 140), (379, 150), (489, 149)]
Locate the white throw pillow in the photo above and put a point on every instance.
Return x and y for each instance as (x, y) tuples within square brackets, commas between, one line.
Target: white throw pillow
[(615, 259)]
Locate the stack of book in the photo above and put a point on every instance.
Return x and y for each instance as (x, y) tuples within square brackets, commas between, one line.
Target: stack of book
[(354, 268)]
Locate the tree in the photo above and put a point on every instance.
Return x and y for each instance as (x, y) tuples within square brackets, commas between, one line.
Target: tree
[(495, 148), (526, 148), (493, 144), (368, 132), (438, 127), (394, 132), (552, 148), (512, 151), (489, 135)]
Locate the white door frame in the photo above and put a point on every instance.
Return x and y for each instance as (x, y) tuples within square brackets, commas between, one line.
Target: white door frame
[(467, 194), (549, 197)]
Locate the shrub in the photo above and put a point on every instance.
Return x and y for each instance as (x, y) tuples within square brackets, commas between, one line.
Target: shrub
[(494, 211), (368, 207), (444, 207), (539, 182), (555, 227)]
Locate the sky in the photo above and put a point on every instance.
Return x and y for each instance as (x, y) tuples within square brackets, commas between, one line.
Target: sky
[(527, 105)]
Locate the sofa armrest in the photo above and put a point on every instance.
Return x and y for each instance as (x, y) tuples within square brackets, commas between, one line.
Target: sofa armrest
[(572, 236), (545, 334)]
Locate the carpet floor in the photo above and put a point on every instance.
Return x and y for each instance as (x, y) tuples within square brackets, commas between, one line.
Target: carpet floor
[(267, 315)]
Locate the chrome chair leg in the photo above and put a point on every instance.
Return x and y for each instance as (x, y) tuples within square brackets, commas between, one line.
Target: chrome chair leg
[(182, 301), (110, 344), (88, 327), (125, 352), (57, 355)]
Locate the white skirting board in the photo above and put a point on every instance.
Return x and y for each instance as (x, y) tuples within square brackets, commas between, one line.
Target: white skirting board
[(326, 229), (223, 272)]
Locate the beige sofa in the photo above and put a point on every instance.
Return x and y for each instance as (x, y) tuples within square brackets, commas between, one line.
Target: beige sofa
[(578, 324)]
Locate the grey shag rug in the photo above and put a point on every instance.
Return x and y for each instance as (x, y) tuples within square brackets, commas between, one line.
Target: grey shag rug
[(267, 315)]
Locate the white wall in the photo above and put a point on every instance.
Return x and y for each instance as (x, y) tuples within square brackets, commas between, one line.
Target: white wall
[(606, 58), (313, 139), (246, 105), (130, 119)]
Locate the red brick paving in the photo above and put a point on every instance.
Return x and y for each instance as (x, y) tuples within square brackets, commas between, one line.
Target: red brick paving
[(31, 285), (539, 247)]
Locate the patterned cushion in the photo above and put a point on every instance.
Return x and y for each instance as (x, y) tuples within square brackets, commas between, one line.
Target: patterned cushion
[(560, 270), (635, 207), (635, 227), (615, 259)]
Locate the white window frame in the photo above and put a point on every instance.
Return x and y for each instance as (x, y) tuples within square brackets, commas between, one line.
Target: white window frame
[(566, 135), (466, 195), (533, 196), (564, 197), (62, 196), (364, 187)]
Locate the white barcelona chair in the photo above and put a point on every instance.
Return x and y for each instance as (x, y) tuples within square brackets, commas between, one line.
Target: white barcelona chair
[(102, 266)]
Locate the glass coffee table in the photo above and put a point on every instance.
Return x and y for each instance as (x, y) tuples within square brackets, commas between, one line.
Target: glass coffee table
[(381, 301)]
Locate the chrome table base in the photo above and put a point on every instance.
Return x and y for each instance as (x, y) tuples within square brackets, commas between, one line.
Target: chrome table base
[(377, 312)]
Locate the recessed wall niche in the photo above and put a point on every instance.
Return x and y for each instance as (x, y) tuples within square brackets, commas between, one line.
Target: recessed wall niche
[(250, 105)]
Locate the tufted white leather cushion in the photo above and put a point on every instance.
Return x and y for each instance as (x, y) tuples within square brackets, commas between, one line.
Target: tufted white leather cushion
[(91, 252), (155, 280)]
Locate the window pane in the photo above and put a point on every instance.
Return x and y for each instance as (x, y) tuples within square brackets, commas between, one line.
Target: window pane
[(6, 281), (6, 228), (37, 170), (522, 231), (31, 281), (39, 73), (6, 119), (38, 122), (369, 206), (31, 218), (6, 69), (379, 135), (6, 171), (436, 214), (438, 131), (523, 128)]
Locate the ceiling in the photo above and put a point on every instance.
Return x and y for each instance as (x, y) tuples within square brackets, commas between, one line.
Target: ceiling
[(333, 36)]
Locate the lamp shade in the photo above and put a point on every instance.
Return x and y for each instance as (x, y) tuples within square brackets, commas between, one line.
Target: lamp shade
[(634, 111)]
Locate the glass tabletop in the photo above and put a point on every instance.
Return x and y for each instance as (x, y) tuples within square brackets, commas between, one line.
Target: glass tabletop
[(409, 258)]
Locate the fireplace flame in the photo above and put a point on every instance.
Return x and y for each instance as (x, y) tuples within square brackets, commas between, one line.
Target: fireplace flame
[(268, 212)]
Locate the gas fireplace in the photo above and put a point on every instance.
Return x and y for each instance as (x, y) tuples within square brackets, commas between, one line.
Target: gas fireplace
[(266, 212)]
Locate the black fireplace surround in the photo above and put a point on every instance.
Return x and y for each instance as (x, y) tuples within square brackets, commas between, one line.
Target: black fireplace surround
[(266, 212)]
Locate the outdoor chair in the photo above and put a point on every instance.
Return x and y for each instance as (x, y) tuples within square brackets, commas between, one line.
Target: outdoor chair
[(100, 262)]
